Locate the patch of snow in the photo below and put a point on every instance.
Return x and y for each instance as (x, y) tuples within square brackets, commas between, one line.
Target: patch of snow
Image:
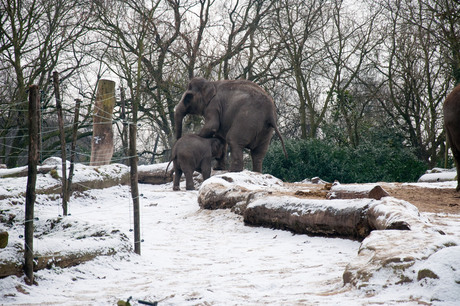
[(154, 167), (247, 179), (311, 205), (438, 177), (192, 256)]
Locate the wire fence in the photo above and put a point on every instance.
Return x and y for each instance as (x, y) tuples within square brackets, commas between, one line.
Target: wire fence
[(51, 132), (8, 137)]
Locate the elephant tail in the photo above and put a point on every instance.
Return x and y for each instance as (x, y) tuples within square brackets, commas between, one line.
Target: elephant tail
[(281, 138), (166, 171)]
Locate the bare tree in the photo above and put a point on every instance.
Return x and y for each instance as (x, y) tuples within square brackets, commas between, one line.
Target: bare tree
[(36, 38), (415, 76)]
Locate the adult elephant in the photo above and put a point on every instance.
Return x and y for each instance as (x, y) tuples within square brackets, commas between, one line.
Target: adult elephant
[(451, 111), (238, 111)]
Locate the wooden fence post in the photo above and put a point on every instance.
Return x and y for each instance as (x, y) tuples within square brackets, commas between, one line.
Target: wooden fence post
[(34, 138), (72, 148), (57, 94), (124, 132), (102, 141)]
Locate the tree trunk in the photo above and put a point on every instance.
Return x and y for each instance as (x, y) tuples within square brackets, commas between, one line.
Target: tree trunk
[(102, 141)]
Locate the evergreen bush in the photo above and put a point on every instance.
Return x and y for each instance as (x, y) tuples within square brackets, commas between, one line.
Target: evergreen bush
[(367, 163)]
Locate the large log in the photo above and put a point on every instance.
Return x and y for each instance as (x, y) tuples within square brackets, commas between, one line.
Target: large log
[(22, 171), (155, 174), (85, 178), (282, 206), (356, 192), (310, 216), (346, 218), (83, 243), (400, 257), (102, 141)]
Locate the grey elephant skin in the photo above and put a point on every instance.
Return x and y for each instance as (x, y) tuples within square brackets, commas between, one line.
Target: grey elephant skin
[(451, 111), (194, 153), (239, 111)]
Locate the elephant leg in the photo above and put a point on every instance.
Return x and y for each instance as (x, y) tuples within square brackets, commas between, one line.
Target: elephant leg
[(177, 175), (456, 153), (236, 156), (206, 168), (222, 162), (189, 180), (258, 155)]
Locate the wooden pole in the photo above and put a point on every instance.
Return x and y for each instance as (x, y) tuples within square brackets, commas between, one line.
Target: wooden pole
[(124, 131), (34, 138), (62, 140), (72, 148), (134, 186), (134, 159), (102, 141)]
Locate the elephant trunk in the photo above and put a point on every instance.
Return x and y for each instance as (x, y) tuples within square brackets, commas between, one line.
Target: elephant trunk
[(179, 114)]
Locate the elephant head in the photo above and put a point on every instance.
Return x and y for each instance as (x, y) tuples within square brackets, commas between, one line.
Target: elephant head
[(217, 148), (194, 101)]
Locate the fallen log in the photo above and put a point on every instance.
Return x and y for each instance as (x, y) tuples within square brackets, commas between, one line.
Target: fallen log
[(22, 171), (85, 178), (283, 206), (339, 191), (399, 257), (347, 218), (236, 190), (310, 216), (86, 244), (155, 174), (48, 261)]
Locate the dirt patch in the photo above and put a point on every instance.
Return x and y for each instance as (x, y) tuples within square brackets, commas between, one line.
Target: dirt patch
[(434, 200), (427, 199)]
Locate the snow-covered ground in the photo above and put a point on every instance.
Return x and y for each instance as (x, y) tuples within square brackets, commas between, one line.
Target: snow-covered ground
[(192, 256)]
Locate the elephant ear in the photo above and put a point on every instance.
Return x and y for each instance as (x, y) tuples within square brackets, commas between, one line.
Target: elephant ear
[(188, 97), (208, 92)]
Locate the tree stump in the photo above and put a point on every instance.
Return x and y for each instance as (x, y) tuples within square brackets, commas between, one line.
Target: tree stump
[(102, 141)]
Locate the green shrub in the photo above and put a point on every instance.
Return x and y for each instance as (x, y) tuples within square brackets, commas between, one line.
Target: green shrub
[(368, 162)]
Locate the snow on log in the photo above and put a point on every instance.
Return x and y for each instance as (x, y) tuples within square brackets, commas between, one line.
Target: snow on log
[(266, 201), (348, 218), (82, 242), (155, 174), (391, 213), (309, 216), (397, 257), (85, 178), (235, 190), (438, 175), (357, 191), (22, 171)]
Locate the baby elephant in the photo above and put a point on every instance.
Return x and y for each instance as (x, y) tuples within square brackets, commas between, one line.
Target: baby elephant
[(194, 153)]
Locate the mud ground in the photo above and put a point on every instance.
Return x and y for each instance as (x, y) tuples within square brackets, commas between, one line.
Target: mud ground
[(427, 199)]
